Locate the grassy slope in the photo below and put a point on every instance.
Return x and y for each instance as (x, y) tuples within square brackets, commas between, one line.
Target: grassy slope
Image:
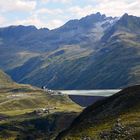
[(49, 68), (102, 115), (5, 80), (17, 105)]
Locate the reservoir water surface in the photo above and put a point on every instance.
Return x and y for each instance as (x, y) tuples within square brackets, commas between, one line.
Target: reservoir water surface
[(105, 93), (88, 97)]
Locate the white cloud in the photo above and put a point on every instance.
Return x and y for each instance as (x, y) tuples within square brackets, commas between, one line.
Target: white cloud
[(49, 11), (56, 1), (108, 7), (17, 5), (2, 20), (33, 20), (78, 12), (117, 7), (54, 24), (47, 15)]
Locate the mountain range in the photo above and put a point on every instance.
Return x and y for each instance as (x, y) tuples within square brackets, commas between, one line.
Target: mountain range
[(94, 52)]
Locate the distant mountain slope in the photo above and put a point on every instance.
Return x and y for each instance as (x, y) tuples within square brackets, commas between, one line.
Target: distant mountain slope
[(69, 42), (117, 62), (93, 52), (97, 121), (15, 32)]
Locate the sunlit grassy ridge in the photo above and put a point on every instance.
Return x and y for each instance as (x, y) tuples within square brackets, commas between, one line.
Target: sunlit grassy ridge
[(18, 104), (5, 80)]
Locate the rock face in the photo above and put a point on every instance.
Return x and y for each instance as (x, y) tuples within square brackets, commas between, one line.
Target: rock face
[(118, 132)]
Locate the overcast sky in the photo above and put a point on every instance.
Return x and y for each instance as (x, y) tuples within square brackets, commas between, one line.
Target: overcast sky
[(54, 13)]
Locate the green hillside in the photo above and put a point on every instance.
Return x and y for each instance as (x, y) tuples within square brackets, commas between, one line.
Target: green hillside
[(22, 115), (116, 117), (5, 79)]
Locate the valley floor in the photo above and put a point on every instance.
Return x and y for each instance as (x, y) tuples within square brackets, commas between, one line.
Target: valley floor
[(29, 113)]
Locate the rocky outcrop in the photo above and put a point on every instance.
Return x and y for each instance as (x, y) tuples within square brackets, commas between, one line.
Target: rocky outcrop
[(118, 132)]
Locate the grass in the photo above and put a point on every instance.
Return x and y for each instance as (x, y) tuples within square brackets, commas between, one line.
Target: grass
[(101, 117), (28, 124), (131, 120), (18, 119)]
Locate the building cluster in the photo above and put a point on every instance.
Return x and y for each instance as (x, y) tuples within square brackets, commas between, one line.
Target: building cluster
[(51, 92), (43, 111)]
